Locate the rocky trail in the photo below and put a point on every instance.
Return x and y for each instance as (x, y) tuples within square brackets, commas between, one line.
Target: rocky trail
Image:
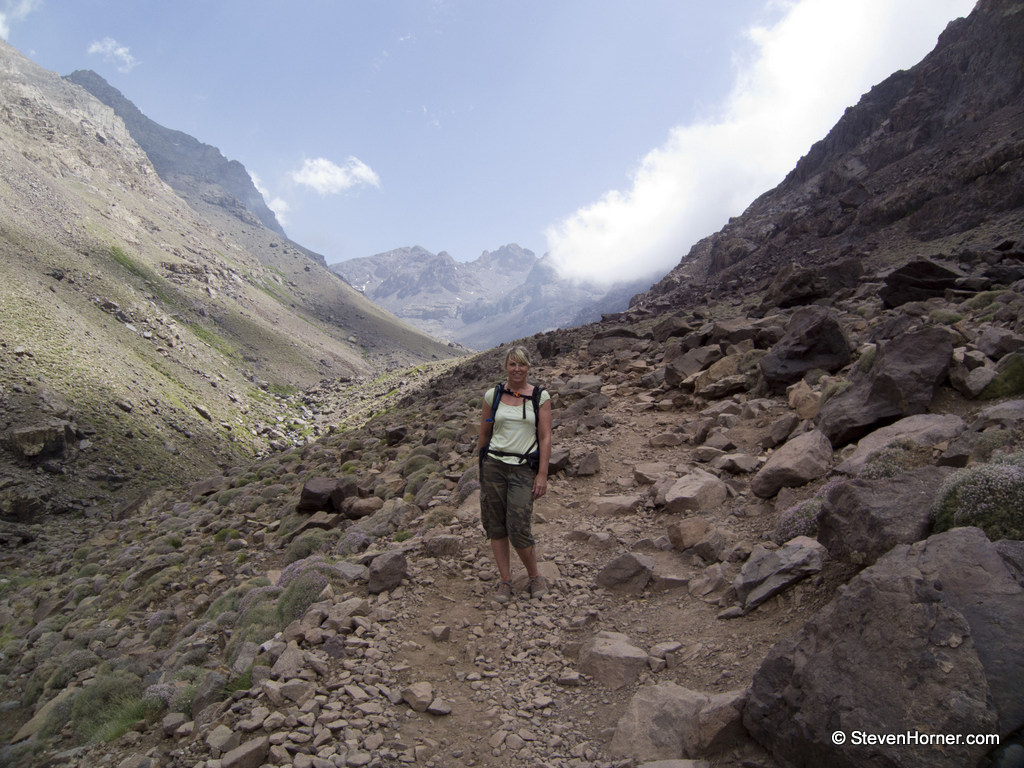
[(331, 605)]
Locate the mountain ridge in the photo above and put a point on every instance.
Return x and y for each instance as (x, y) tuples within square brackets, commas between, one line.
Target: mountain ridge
[(141, 329), (502, 295), (186, 164)]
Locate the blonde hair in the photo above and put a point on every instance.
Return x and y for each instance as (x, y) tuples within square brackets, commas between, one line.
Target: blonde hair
[(519, 354)]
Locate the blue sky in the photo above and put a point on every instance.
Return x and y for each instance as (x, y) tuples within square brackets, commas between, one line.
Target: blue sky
[(614, 134)]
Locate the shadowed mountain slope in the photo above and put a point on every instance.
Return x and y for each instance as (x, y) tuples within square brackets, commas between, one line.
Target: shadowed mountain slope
[(142, 341)]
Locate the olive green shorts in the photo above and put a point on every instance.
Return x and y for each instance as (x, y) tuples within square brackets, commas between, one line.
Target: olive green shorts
[(506, 502)]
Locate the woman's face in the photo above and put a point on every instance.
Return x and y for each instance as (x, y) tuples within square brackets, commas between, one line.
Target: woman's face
[(516, 371)]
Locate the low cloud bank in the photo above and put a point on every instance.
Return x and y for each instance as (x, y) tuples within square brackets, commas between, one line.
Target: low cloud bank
[(801, 74)]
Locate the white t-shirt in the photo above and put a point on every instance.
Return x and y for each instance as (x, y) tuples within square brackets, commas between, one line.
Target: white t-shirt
[(515, 427)]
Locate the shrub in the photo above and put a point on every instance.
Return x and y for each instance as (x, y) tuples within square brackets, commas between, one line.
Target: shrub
[(258, 619), (895, 459), (945, 317), (419, 464), (305, 545), (802, 519), (834, 389), (989, 496), (110, 707), (799, 520), (241, 683), (983, 299), (866, 361), (301, 593), (224, 534)]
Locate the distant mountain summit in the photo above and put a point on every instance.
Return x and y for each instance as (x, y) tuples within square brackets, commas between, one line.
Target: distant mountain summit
[(502, 295), (191, 168)]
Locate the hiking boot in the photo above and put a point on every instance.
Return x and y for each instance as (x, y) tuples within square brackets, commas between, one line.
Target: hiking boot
[(504, 593), (538, 586)]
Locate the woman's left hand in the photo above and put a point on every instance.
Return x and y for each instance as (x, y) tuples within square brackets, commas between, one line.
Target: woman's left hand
[(540, 486)]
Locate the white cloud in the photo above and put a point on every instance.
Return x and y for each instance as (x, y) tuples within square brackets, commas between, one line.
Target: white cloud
[(818, 59), (115, 53), (327, 178), (278, 205), (14, 10)]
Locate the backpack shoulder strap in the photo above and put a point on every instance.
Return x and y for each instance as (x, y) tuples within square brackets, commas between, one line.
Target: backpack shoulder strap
[(498, 390)]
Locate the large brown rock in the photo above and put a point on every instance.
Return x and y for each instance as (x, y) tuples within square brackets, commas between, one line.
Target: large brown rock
[(814, 340), (804, 458), (47, 438), (860, 520), (612, 660), (667, 722), (316, 495), (917, 281), (925, 641), (769, 571), (923, 429), (902, 381)]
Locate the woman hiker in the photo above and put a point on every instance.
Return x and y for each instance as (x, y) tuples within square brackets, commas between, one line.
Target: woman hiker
[(515, 447)]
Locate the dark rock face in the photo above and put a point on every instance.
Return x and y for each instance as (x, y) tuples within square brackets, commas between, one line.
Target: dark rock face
[(917, 281), (902, 382), (796, 286), (813, 340), (914, 642), (861, 520)]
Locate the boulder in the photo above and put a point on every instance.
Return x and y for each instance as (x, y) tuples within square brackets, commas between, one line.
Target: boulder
[(667, 721), (917, 281), (694, 361), (418, 696), (860, 520), (694, 492), (814, 340), (923, 429), (769, 571), (615, 506), (802, 459), (580, 386), (251, 754), (902, 382), (386, 572), (628, 573), (669, 327), (1008, 380), (316, 495), (687, 532), (997, 342), (925, 641), (612, 660), (47, 438), (356, 508)]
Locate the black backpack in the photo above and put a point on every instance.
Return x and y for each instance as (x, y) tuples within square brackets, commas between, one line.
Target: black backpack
[(532, 457)]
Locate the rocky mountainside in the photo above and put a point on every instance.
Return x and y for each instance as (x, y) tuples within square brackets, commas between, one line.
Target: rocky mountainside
[(224, 194), (783, 528), (141, 342), (928, 161), (502, 295), (191, 168)]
